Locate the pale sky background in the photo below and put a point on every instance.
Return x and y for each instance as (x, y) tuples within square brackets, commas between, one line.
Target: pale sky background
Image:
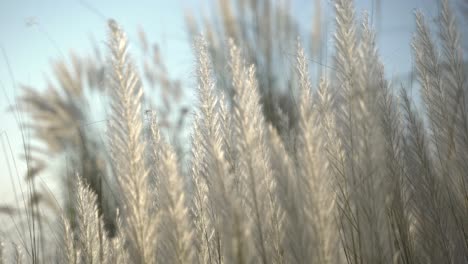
[(65, 25)]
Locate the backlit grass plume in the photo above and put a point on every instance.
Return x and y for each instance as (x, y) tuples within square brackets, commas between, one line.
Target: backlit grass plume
[(128, 151)]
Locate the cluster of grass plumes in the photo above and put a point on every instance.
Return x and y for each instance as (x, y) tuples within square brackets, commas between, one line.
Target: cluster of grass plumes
[(364, 178)]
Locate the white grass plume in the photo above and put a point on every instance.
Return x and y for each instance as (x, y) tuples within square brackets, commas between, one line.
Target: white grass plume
[(92, 243), (210, 167), (177, 238), (430, 232), (394, 171), (127, 151), (312, 184), (257, 184), (455, 89)]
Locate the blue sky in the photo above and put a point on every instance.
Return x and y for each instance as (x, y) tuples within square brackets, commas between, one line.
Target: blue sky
[(64, 25)]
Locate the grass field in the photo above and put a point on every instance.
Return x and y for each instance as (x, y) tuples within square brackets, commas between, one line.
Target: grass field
[(345, 169)]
